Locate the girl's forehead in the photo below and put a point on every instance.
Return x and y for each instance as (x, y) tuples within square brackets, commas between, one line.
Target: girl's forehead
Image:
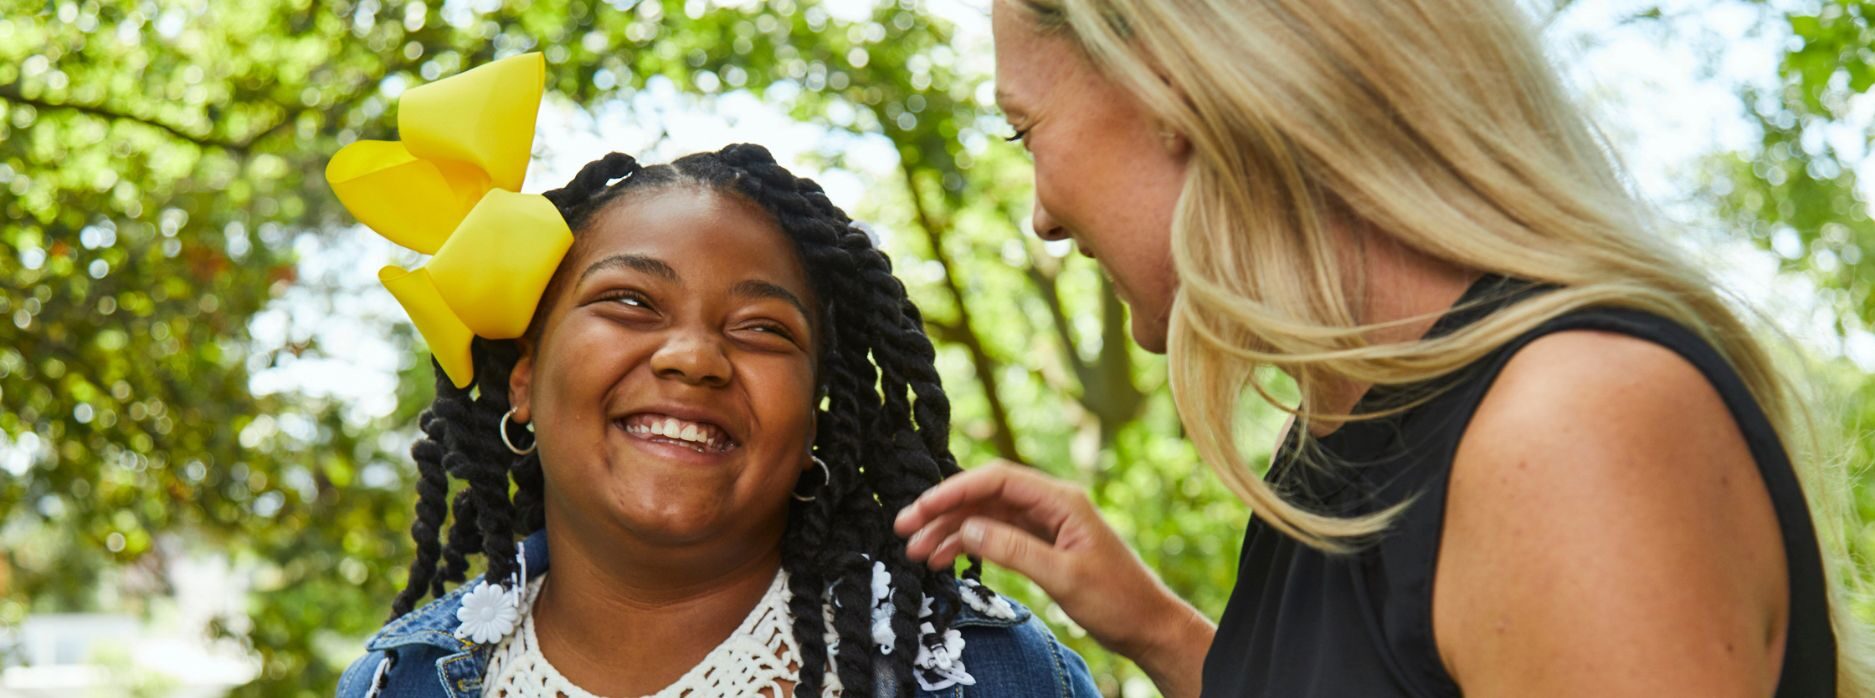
[(682, 215), (696, 231)]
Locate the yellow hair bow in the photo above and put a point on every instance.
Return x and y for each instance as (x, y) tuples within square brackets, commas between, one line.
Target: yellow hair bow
[(450, 189)]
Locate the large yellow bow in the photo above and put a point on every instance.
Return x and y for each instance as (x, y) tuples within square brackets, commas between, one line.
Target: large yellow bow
[(450, 189)]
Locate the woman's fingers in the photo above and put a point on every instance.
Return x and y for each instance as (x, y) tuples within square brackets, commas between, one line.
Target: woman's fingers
[(924, 543), (945, 553), (1015, 549), (1050, 532), (1013, 487), (954, 493)]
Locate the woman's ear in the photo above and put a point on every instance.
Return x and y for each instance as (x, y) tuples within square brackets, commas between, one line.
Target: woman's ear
[(520, 382)]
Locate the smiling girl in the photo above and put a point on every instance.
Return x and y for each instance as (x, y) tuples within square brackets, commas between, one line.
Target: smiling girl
[(729, 394)]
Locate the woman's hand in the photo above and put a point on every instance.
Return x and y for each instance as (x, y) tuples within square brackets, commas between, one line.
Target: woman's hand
[(1049, 531)]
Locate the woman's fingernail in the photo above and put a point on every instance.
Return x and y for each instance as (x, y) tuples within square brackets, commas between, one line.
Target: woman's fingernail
[(973, 533)]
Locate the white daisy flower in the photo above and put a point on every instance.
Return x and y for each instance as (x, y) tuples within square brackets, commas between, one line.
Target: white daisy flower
[(488, 614)]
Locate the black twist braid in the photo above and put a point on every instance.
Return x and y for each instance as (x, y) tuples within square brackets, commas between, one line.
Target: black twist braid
[(852, 622), (592, 188), (487, 461), (883, 431), (432, 508), (807, 522), (465, 534), (530, 509)]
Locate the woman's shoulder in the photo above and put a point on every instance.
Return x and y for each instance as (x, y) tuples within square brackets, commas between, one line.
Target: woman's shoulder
[(1611, 457), (1009, 651)]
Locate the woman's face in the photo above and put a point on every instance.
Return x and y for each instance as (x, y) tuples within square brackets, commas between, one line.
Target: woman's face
[(672, 385), (1105, 174)]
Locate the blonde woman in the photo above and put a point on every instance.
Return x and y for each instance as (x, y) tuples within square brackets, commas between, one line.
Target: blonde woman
[(1535, 454)]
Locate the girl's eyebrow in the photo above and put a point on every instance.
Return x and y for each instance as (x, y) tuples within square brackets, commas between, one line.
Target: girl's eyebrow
[(649, 265), (762, 289)]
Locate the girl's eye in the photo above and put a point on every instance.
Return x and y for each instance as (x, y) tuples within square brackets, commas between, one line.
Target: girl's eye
[(628, 298), (1018, 136), (773, 329)]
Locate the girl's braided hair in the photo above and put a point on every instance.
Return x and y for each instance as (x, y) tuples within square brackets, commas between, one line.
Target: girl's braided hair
[(883, 430)]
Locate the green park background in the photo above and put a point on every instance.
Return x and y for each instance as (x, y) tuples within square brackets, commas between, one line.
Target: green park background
[(161, 208)]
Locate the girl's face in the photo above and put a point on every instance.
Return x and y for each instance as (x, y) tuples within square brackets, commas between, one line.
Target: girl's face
[(672, 385), (1105, 174)]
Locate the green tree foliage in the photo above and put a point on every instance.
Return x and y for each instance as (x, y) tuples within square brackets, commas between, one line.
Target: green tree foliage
[(160, 165), (1796, 191)]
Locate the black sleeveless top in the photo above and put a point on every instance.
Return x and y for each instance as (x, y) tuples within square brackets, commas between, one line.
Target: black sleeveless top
[(1303, 623)]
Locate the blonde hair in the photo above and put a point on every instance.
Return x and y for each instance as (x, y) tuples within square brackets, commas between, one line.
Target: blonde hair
[(1440, 123)]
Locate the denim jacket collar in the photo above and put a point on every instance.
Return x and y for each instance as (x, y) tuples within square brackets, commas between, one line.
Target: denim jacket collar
[(463, 663), (435, 623)]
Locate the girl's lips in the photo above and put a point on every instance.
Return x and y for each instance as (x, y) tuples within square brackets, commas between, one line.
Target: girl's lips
[(674, 447), (704, 436)]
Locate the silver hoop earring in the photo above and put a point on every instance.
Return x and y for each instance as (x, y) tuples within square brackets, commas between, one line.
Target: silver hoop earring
[(825, 472), (510, 444)]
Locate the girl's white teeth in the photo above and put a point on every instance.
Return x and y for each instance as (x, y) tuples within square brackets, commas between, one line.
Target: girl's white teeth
[(694, 435)]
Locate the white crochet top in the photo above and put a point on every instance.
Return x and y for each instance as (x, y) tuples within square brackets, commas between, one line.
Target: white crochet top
[(758, 659)]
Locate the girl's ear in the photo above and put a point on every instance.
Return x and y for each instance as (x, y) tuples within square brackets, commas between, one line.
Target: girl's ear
[(520, 380)]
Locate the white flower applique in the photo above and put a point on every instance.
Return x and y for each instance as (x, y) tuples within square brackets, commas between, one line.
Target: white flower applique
[(940, 662), (487, 614), (882, 634), (985, 601), (490, 611)]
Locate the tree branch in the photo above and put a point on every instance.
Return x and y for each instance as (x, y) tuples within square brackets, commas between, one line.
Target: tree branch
[(12, 93), (1051, 297), (1107, 388), (1118, 400), (1004, 439), (240, 147)]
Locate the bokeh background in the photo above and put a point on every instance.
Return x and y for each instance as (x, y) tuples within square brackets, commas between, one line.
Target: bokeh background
[(206, 401)]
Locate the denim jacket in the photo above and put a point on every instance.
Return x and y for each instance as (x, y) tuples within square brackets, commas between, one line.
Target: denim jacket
[(421, 657)]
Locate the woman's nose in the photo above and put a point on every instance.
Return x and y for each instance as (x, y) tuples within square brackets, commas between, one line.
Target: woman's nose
[(1045, 225), (693, 358)]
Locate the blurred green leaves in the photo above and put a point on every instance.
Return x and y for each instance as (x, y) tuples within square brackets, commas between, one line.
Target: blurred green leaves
[(1796, 191), (160, 166)]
